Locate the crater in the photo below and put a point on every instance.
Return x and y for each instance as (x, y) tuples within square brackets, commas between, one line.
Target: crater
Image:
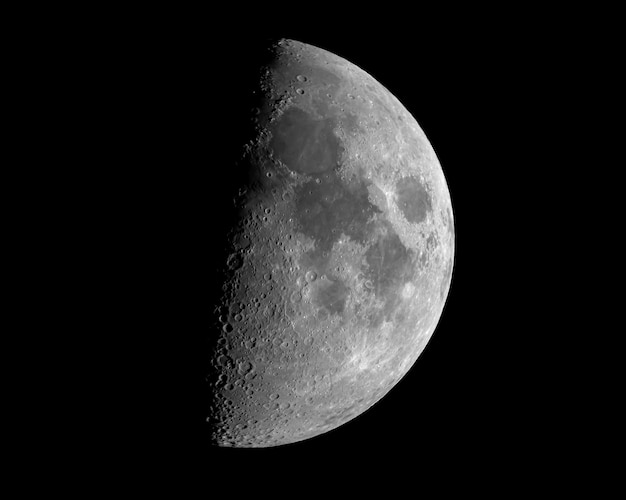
[(312, 74), (413, 199)]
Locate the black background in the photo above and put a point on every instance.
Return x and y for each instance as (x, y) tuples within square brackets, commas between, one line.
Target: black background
[(127, 120), (475, 397), (170, 102)]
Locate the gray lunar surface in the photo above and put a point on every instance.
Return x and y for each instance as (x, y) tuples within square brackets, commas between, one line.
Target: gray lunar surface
[(340, 264)]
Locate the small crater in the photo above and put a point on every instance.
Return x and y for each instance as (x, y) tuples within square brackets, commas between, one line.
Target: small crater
[(234, 262), (245, 367), (223, 360)]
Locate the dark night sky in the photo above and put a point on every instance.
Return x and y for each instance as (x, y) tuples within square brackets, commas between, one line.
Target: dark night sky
[(470, 388), (146, 111), (475, 389)]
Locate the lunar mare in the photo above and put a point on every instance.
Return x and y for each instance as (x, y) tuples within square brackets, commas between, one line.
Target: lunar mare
[(341, 262)]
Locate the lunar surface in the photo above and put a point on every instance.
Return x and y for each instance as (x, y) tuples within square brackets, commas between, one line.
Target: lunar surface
[(339, 265)]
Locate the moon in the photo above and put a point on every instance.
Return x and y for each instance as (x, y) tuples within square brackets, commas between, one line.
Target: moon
[(340, 262)]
